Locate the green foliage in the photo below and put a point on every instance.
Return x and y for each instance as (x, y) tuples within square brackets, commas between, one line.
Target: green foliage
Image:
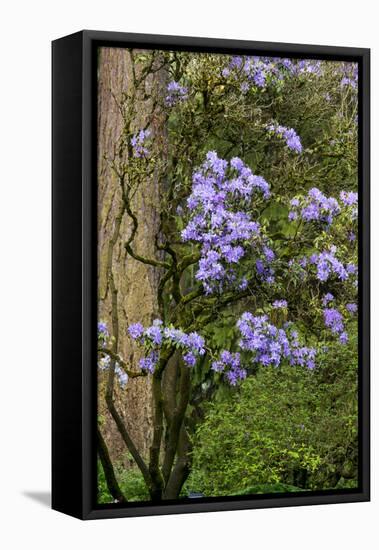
[(131, 484), (283, 427), (103, 495)]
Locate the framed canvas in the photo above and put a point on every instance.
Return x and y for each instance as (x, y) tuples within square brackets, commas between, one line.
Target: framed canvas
[(210, 275)]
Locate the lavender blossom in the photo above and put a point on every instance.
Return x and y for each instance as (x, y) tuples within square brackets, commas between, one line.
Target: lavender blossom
[(176, 93), (259, 72), (230, 365), (352, 308), (289, 135), (102, 329), (270, 345), (138, 144), (333, 319), (280, 304), (136, 331), (149, 363), (219, 223), (327, 298), (328, 265), (156, 336)]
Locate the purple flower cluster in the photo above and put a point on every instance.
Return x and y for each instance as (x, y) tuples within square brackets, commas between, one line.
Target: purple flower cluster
[(349, 75), (323, 266), (333, 319), (327, 298), (260, 72), (289, 135), (230, 365), (154, 333), (136, 330), (221, 195), (149, 362), (306, 67), (175, 93), (192, 342), (350, 200), (346, 81), (315, 206), (102, 330), (138, 143), (271, 345), (352, 308), (254, 71), (280, 304), (327, 265), (263, 267), (154, 337), (351, 236)]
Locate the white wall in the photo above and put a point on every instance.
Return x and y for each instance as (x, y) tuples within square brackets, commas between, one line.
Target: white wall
[(27, 27)]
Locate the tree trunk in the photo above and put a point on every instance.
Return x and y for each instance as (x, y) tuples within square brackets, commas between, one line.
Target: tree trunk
[(135, 284)]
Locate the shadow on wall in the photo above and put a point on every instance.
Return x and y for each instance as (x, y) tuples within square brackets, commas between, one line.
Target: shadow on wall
[(41, 497)]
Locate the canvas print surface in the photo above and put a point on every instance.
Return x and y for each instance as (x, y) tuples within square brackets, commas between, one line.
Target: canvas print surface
[(227, 275)]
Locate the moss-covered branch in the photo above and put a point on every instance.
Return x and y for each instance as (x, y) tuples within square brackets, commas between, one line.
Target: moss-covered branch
[(115, 357)]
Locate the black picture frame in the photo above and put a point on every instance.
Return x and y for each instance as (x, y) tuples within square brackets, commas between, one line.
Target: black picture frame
[(74, 273)]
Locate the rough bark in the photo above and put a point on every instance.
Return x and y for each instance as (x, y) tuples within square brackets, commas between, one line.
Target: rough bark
[(132, 274), (135, 284)]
